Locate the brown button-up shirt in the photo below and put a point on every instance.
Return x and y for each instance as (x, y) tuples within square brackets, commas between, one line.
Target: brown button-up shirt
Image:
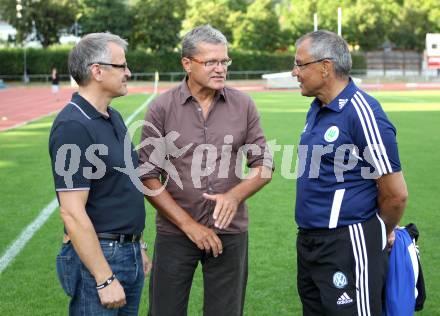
[(193, 155)]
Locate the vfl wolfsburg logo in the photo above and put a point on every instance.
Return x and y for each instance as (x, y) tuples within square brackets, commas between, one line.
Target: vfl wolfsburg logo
[(331, 134)]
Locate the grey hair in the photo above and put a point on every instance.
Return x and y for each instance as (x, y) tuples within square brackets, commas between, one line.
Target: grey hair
[(204, 33), (326, 44), (90, 49)]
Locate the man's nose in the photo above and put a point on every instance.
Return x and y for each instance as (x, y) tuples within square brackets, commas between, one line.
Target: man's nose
[(220, 68), (127, 72), (294, 71)]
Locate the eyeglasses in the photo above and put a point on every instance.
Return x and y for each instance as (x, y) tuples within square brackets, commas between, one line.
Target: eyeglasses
[(122, 66), (302, 66), (213, 63)]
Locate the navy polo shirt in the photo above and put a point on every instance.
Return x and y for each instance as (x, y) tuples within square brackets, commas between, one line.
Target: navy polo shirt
[(85, 147), (344, 147)]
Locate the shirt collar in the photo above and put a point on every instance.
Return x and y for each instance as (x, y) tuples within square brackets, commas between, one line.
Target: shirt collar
[(185, 93), (338, 103), (86, 107)]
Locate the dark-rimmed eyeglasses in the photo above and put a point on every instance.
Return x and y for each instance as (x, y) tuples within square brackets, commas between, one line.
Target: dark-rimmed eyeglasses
[(302, 66), (121, 66), (213, 63)]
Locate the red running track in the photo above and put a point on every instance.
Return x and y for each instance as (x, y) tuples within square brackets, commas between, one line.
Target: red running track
[(20, 105)]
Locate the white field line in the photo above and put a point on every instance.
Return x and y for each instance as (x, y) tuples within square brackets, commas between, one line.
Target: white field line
[(139, 109), (14, 249), (29, 121)]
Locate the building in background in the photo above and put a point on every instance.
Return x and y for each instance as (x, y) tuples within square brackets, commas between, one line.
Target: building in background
[(432, 53), (7, 31)]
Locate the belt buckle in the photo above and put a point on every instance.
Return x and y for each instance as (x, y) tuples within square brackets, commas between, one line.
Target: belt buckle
[(121, 238)]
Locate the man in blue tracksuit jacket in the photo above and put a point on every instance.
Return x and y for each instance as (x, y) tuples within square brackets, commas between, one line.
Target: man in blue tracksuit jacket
[(351, 192)]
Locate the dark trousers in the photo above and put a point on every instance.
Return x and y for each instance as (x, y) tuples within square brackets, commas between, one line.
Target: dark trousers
[(224, 278), (342, 271)]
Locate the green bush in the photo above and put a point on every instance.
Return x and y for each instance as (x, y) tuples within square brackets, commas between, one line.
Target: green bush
[(261, 61), (41, 61), (11, 61), (140, 61)]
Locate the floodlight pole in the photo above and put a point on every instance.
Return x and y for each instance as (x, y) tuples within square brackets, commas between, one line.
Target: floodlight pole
[(339, 21), (25, 77), (19, 8), (315, 22)]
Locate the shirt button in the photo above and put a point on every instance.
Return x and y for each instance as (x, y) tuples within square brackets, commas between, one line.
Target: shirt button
[(199, 109)]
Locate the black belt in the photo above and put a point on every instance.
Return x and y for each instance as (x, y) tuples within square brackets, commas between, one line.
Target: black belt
[(120, 237)]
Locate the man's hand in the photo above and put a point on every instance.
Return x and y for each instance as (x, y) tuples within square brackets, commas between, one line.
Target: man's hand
[(146, 263), (226, 206), (113, 295), (205, 238), (83, 237), (390, 240)]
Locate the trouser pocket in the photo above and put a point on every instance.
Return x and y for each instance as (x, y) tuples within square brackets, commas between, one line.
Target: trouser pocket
[(67, 269)]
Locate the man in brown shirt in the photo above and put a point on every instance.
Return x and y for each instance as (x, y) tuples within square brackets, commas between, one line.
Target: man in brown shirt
[(193, 141)]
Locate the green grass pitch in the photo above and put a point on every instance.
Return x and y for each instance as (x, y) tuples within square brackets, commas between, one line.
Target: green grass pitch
[(29, 285)]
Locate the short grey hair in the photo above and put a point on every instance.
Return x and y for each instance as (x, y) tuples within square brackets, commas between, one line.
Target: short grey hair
[(204, 33), (326, 44), (90, 49)]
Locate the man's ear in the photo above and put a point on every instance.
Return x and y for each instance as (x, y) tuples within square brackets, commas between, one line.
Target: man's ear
[(96, 73), (326, 68), (186, 64)]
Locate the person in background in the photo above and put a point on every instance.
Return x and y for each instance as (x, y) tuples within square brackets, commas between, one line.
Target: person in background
[(55, 79)]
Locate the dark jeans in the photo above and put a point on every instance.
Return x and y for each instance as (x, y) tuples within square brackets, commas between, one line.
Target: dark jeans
[(224, 278), (126, 263)]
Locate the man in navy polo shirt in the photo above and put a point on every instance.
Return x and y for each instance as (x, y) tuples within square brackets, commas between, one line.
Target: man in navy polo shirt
[(102, 263), (351, 194)]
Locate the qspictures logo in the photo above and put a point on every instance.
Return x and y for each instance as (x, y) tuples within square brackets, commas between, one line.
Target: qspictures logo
[(207, 159)]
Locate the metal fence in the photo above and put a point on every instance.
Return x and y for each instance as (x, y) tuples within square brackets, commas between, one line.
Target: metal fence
[(144, 76), (372, 75)]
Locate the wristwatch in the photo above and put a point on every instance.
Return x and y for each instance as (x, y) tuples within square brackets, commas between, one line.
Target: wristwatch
[(144, 245)]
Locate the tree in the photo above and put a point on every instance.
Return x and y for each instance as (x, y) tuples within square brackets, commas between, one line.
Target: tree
[(214, 12), (157, 24), (259, 28), (368, 22), (415, 19), (46, 18), (297, 18), (238, 5), (114, 16)]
